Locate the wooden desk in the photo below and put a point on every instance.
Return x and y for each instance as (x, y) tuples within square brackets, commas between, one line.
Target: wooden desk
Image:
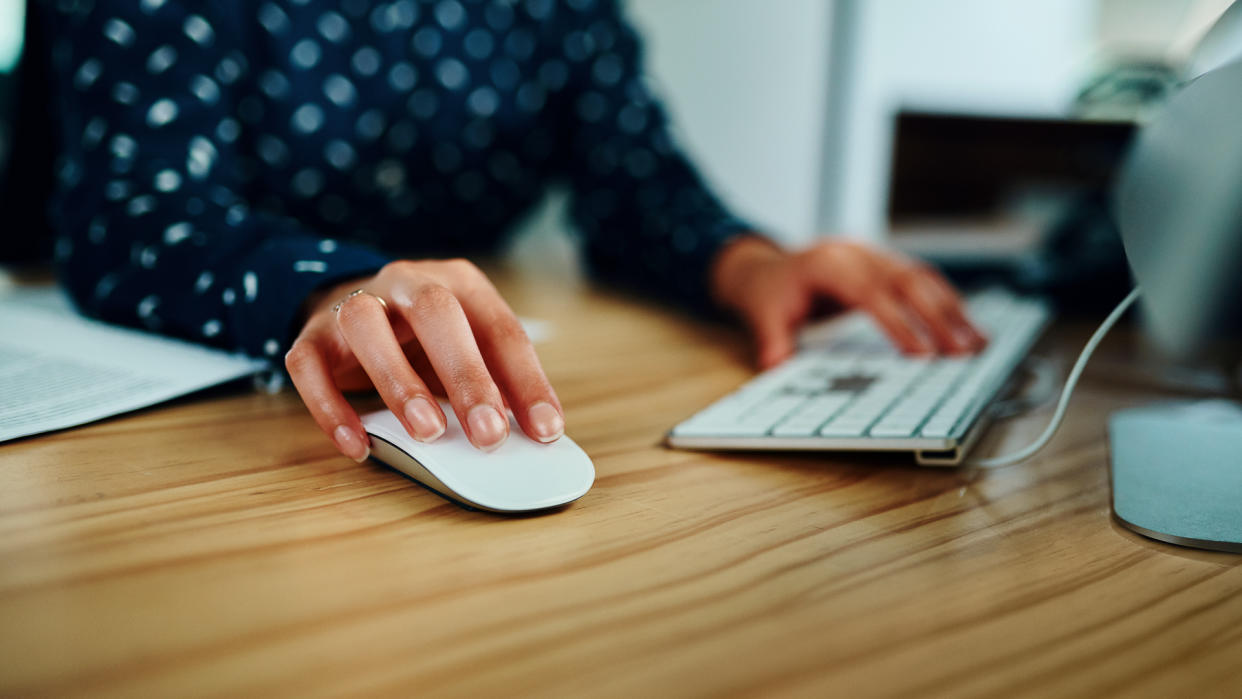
[(221, 546)]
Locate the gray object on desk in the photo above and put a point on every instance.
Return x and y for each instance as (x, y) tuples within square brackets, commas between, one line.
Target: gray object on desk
[(1177, 473)]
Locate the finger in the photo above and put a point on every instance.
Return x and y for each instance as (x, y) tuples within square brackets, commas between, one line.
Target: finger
[(774, 336), (440, 325), (313, 380), (857, 275), (363, 323), (932, 307), (897, 324), (510, 357), (422, 366), (956, 310), (352, 379)]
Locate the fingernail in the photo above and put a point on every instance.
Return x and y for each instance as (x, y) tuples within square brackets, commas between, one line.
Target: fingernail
[(423, 417), (488, 429), (350, 444), (546, 421)]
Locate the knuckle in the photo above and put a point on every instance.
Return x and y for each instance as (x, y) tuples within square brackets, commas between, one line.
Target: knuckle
[(399, 268), (832, 250), (944, 306), (934, 298), (909, 275), (846, 254), (508, 331), (472, 383), (393, 388), (466, 272), (534, 388), (461, 265), (353, 309), (874, 298), (852, 249), (326, 411), (432, 298), (920, 270), (299, 356)]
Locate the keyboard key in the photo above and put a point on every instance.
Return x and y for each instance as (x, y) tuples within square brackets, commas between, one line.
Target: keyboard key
[(764, 416), (937, 430), (743, 420), (843, 429), (891, 430), (807, 418)]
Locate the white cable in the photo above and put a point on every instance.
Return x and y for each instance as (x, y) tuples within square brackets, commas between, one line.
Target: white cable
[(1066, 392)]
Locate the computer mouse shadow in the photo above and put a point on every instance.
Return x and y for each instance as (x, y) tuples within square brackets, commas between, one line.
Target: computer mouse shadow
[(820, 462), (467, 507)]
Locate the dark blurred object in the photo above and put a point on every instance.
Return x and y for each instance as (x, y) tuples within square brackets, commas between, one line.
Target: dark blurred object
[(1126, 91), (965, 166), (26, 173), (1014, 201)]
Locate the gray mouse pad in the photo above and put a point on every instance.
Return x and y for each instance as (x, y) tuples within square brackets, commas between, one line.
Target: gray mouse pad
[(1177, 472)]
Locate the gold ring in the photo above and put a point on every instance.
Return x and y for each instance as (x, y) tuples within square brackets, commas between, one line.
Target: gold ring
[(354, 293)]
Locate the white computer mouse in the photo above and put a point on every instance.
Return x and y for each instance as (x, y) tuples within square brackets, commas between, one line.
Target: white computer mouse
[(521, 476)]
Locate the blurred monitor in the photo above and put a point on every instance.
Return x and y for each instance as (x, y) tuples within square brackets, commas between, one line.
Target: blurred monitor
[(1178, 201), (1179, 208), (980, 167), (1175, 471), (1016, 201)]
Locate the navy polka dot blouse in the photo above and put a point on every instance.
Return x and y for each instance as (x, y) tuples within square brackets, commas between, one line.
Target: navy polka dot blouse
[(221, 160)]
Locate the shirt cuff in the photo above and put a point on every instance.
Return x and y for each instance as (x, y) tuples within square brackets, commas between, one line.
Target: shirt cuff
[(273, 282), (695, 290)]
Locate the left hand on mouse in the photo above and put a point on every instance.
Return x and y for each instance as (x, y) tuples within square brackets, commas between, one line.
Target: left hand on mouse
[(774, 292)]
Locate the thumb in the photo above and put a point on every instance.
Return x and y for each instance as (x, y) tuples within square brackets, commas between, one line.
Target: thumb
[(774, 336)]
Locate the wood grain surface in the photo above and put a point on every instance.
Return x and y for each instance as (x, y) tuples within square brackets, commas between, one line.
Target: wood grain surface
[(219, 545)]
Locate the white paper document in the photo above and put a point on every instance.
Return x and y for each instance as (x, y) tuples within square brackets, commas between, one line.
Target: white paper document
[(59, 369)]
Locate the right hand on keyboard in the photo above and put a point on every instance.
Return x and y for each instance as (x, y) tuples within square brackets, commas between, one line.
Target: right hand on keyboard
[(775, 292)]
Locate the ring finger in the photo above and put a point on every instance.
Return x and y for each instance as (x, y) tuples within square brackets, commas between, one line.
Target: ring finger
[(363, 323)]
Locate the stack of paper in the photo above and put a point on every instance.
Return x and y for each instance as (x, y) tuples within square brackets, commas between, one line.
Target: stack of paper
[(59, 369)]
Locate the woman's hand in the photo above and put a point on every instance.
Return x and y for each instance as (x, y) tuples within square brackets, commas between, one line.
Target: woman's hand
[(422, 328), (775, 292)]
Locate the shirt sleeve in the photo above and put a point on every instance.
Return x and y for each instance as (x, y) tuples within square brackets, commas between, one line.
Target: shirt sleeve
[(648, 220), (153, 226)]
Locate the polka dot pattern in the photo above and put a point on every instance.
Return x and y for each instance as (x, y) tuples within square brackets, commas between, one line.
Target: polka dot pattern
[(222, 164)]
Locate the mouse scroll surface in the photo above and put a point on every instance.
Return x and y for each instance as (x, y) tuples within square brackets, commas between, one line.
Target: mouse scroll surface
[(521, 476)]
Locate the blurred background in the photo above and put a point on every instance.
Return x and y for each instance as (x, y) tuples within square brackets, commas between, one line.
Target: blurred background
[(12, 20), (791, 106), (980, 134)]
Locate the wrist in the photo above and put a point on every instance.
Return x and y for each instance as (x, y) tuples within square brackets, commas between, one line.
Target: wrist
[(737, 264)]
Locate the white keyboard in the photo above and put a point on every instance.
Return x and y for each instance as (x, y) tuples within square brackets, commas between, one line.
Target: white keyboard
[(848, 389)]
